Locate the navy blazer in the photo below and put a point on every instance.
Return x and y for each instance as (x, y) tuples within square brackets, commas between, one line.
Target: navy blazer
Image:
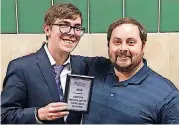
[(30, 83)]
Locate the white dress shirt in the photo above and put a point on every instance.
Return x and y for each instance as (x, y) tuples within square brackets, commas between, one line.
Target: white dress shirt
[(63, 75), (65, 71)]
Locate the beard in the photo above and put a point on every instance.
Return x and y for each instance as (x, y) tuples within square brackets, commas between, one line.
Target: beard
[(124, 61)]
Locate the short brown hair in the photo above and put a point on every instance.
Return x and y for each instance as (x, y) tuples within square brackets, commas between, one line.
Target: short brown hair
[(127, 20), (61, 11)]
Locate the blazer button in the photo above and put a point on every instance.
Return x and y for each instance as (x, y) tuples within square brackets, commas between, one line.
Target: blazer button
[(112, 94)]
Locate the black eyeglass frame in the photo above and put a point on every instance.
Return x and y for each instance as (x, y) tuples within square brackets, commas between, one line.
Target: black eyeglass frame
[(71, 27)]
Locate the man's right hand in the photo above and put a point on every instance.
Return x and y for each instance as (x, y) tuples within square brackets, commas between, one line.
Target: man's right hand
[(52, 111)]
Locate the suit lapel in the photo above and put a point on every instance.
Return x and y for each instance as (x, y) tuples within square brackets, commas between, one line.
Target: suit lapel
[(47, 71)]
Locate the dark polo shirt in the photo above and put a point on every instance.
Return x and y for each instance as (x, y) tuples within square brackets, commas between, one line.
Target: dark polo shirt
[(147, 97)]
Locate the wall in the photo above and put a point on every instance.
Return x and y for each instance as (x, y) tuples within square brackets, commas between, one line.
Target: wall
[(161, 50), (26, 16)]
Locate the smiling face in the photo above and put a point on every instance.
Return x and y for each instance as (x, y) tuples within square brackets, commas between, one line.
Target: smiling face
[(126, 48), (62, 42)]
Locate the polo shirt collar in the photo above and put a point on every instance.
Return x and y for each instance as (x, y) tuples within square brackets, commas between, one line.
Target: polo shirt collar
[(136, 78)]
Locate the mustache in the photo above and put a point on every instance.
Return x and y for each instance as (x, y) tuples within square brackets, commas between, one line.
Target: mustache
[(123, 54)]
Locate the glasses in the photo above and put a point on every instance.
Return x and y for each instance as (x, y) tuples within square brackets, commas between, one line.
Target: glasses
[(65, 28)]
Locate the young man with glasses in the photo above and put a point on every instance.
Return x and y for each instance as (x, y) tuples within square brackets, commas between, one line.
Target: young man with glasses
[(33, 86)]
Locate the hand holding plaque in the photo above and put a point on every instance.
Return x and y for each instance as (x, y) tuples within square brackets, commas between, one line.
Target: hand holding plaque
[(78, 92)]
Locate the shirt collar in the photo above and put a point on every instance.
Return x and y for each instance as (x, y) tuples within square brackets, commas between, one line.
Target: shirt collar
[(136, 78), (52, 60)]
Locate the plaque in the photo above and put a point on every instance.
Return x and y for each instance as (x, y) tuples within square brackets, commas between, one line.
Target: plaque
[(78, 92)]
